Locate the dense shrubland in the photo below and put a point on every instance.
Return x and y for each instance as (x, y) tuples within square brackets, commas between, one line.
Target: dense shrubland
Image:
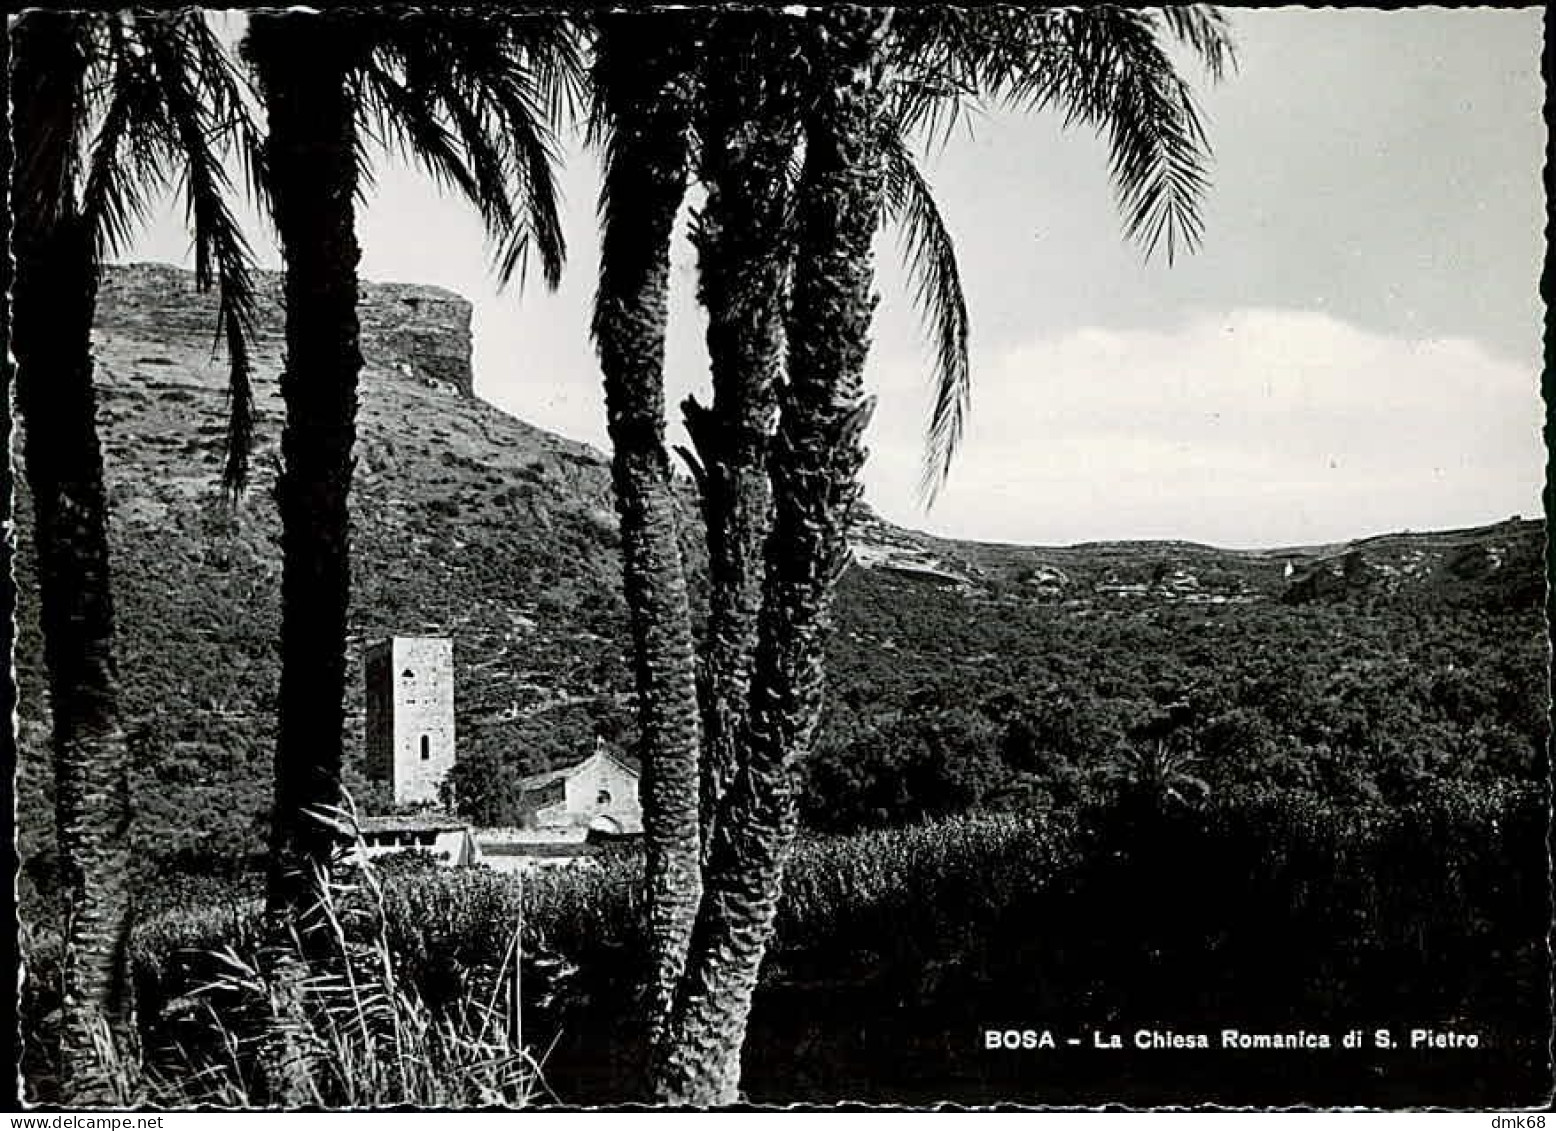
[(973, 708), (1264, 909), (1036, 706)]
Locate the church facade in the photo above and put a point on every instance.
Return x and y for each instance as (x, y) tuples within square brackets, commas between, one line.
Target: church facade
[(599, 795)]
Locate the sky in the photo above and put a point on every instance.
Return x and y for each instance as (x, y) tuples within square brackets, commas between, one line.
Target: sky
[(1353, 350)]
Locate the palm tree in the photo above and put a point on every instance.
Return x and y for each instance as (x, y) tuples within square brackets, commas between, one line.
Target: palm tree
[(871, 76), (136, 97), (642, 106), (696, 77), (814, 464), (1152, 776), (748, 127), (749, 124), (470, 98), (676, 95)]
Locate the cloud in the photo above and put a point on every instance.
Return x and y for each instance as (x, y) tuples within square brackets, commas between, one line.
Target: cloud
[(1257, 427)]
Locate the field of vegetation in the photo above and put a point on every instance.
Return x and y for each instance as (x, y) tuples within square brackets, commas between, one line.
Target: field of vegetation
[(1369, 698), (1261, 910)]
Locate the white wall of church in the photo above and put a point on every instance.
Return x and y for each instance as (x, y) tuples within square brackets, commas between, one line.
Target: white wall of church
[(602, 787)]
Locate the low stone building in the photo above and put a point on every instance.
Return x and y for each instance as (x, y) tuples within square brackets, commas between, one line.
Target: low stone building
[(514, 850), (448, 839)]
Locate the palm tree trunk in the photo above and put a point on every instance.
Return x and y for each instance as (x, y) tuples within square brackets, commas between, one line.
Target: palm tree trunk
[(313, 166), (814, 465), (302, 62), (55, 297), (750, 130), (642, 87)]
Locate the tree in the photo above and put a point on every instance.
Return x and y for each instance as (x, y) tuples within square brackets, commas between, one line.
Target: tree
[(471, 98), (641, 115), (749, 127), (484, 787), (866, 78), (136, 98), (816, 455), (663, 84)]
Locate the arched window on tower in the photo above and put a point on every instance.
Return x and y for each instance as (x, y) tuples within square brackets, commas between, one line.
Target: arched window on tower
[(426, 748)]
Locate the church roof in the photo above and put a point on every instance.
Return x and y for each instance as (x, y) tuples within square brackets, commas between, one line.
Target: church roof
[(547, 777)]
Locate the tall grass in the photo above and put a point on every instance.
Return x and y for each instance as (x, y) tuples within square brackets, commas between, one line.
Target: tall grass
[(1265, 909), (212, 993)]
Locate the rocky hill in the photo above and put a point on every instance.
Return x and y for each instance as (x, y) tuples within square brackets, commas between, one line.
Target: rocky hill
[(467, 522), (1102, 573), (471, 523)]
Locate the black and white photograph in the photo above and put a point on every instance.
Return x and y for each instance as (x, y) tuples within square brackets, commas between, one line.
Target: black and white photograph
[(727, 556)]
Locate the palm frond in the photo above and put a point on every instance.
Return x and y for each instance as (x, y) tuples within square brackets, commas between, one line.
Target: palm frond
[(930, 257), (222, 253), (409, 128), (484, 147), (126, 163), (232, 106), (475, 101), (1157, 144), (541, 226), (552, 51), (370, 132), (523, 109), (1108, 69), (547, 91), (446, 78), (933, 90), (1205, 31)]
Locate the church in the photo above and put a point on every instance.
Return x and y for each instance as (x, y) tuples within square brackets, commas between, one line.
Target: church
[(599, 794)]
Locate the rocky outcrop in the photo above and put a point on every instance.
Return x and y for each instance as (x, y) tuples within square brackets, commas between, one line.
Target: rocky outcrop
[(416, 332), (1330, 578), (1499, 564), (425, 329)]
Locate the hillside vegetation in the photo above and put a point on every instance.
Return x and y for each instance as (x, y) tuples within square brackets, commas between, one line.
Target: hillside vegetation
[(963, 674)]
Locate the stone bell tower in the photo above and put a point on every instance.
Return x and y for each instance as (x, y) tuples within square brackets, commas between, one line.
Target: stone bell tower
[(410, 715)]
